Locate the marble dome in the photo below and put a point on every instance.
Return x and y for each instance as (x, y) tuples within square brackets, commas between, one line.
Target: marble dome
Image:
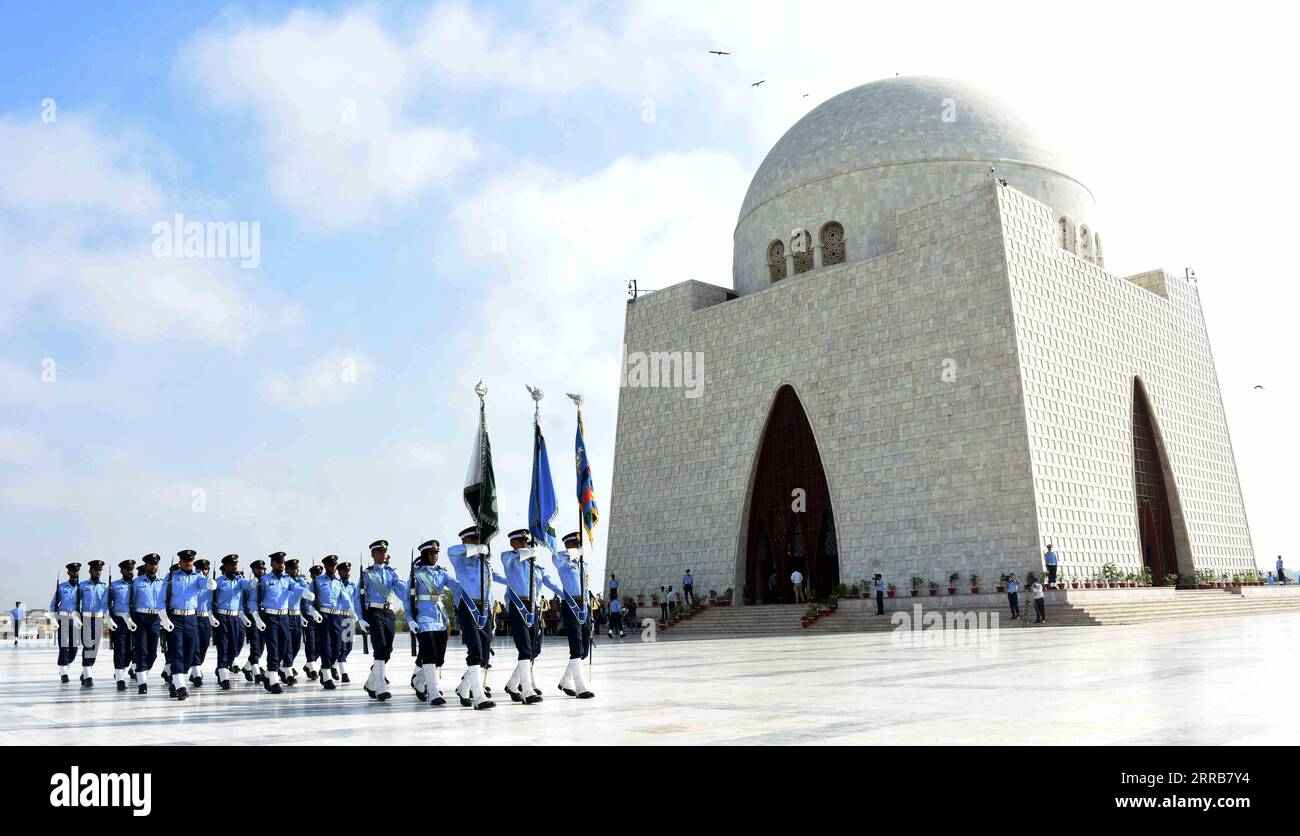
[(859, 158)]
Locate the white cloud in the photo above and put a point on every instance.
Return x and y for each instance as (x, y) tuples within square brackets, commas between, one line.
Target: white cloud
[(76, 212), (329, 95), (330, 378)]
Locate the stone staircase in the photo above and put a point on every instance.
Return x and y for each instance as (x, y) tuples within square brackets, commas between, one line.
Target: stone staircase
[(784, 618)]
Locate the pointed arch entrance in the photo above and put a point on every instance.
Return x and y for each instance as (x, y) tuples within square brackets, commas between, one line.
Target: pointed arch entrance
[(1157, 505), (786, 531)]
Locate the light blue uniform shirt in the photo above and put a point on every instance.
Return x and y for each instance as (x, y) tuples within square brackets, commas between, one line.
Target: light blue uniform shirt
[(205, 596), (331, 594), (186, 589), (150, 594), (295, 592), (427, 584), (467, 573), (119, 594), (1050, 558), (275, 591), (1013, 586), (880, 585), (615, 606), (229, 594), (688, 579), (94, 597), (516, 577), (65, 598), (570, 572), (381, 580), (354, 596), (19, 614)]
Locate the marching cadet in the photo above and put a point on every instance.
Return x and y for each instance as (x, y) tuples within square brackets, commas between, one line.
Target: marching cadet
[(381, 590), (231, 619), (311, 620), (164, 638), (185, 587), (471, 561), (253, 670), (429, 621), (274, 592), (205, 621), (64, 605), (149, 612), (350, 620), (120, 624), (576, 617), (92, 602), (334, 603), (524, 579), (295, 622)]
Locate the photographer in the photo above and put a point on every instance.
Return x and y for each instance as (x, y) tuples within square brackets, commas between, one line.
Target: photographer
[(1013, 594)]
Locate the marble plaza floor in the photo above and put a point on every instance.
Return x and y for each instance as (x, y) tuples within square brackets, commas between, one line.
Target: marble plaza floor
[(1207, 681)]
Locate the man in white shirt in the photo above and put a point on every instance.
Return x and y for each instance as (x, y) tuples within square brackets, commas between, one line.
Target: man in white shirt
[(796, 580), (1040, 604)]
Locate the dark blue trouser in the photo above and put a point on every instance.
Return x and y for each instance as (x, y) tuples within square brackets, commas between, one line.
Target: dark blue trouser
[(383, 626), (475, 651), (523, 634), (880, 602), (1013, 598), (310, 646), (277, 639), (69, 640), (205, 638), (183, 643), (148, 628), (256, 644), (432, 645), (328, 638), (229, 639), (92, 630), (345, 641), (295, 639), (579, 635), (123, 644)]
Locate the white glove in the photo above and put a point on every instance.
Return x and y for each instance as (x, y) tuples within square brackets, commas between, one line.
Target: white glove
[(112, 625), (212, 583), (257, 619), (213, 620), (302, 619), (364, 627), (575, 553), (308, 595), (413, 626), (166, 622), (315, 615), (76, 620), (130, 623), (243, 616), (471, 550), (524, 554)]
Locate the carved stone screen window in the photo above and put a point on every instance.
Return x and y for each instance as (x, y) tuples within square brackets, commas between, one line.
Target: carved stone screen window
[(803, 255), (776, 261), (832, 241)]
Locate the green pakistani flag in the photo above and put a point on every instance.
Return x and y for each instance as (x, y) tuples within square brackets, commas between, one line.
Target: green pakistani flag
[(480, 483)]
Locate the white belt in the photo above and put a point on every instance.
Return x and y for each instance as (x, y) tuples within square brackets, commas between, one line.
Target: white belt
[(228, 612), (146, 611), (276, 612), (379, 607), (426, 597), (184, 612), (327, 611)]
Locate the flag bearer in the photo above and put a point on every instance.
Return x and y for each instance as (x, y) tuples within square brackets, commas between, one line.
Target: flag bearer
[(428, 619), (472, 564), (524, 580), (576, 616)]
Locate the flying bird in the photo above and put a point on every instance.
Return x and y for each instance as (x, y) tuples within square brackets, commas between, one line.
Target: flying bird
[(805, 95), (718, 52), (756, 83), (1259, 387)]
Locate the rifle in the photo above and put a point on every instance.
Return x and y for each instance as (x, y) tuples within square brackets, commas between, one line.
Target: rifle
[(410, 611), (365, 637)]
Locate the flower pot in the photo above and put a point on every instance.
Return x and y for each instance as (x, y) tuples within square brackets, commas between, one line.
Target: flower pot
[(974, 590), (952, 590), (722, 604), (1074, 584), (1060, 586), (890, 593), (1002, 589), (934, 592), (914, 593)]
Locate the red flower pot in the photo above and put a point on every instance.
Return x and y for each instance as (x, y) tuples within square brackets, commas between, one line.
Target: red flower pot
[(1002, 589), (914, 593), (934, 592), (890, 593), (974, 590), (952, 590), (1060, 586)]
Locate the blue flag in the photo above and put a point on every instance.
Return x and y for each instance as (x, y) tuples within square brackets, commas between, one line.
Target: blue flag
[(542, 505)]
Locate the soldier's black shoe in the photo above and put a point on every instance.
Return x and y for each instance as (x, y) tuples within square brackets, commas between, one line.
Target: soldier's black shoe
[(515, 696), (335, 673), (225, 684), (234, 668), (370, 693), (311, 674), (569, 691), (485, 704), (586, 695), (166, 677), (143, 689), (121, 685), (384, 696), (261, 678), (88, 682), (329, 685), (63, 678), (531, 699), (171, 690), (248, 675), (487, 691), (423, 696), (182, 693), (291, 680), (276, 689), (538, 692), (345, 678), (197, 680), (266, 683), (465, 701)]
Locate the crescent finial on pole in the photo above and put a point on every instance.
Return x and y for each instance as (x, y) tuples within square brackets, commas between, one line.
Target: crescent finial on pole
[(480, 390), (577, 399)]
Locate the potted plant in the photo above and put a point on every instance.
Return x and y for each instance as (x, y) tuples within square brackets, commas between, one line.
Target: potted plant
[(1074, 582), (934, 587), (809, 615), (1002, 587), (952, 583), (1171, 580), (724, 600), (917, 582), (974, 583), (889, 590)]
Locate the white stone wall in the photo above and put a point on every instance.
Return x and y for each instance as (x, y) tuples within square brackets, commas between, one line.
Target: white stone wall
[(1083, 334), (927, 476)]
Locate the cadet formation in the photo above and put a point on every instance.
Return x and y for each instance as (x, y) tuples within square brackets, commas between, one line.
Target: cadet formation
[(261, 623)]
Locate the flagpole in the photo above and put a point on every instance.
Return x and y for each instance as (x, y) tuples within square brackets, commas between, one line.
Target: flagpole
[(582, 555), (537, 491)]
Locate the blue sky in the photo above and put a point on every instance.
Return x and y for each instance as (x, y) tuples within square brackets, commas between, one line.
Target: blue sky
[(508, 167)]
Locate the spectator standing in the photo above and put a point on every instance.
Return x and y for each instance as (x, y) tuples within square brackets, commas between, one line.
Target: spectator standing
[(1281, 573), (615, 617), (796, 581), (663, 604), (1050, 559), (880, 594), (1040, 603), (613, 587), (688, 588), (672, 599), (1013, 595), (19, 615)]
